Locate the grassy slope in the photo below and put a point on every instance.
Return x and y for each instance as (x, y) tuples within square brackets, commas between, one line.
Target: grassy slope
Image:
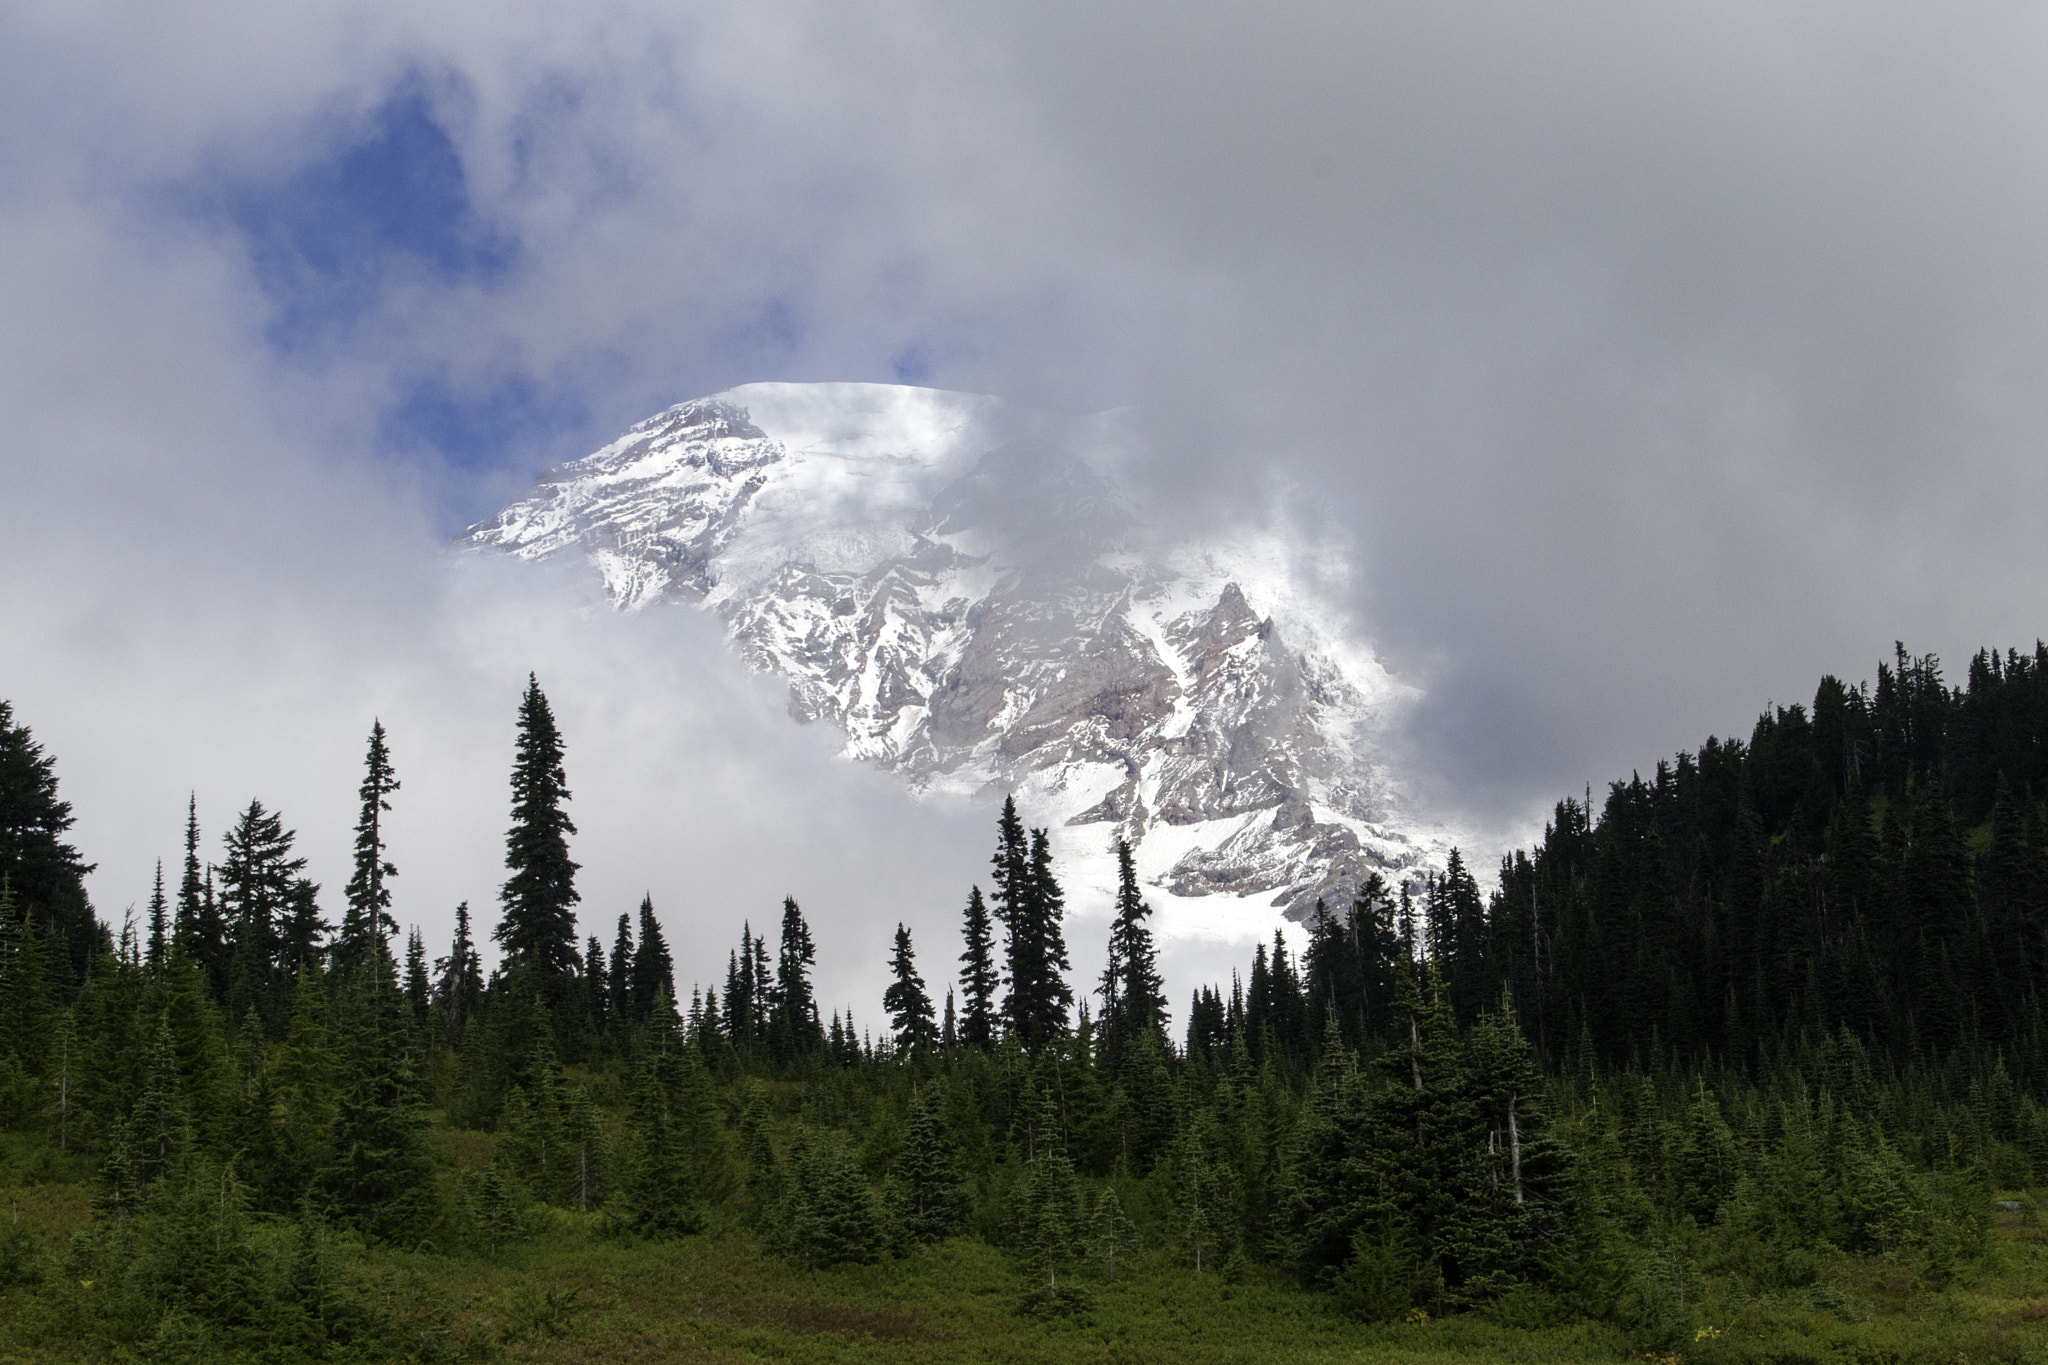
[(569, 1295)]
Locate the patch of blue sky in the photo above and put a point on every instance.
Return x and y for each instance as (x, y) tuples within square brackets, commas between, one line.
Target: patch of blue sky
[(387, 200)]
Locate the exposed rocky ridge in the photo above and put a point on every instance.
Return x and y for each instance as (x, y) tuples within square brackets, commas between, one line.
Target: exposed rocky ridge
[(954, 585)]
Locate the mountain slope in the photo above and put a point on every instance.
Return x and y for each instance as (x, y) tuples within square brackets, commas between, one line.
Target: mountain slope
[(955, 584)]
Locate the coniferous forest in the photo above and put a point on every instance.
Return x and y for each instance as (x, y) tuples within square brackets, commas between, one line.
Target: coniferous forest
[(1743, 1062)]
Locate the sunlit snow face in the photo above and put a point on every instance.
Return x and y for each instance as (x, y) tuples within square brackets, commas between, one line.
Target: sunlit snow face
[(951, 583)]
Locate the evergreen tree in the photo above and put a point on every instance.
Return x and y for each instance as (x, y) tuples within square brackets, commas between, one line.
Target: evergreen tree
[(381, 1175), (262, 895), (28, 1013), (45, 872), (597, 987), (679, 1142), (796, 1030), (1048, 1198), (925, 1190), (653, 972), (538, 928), (588, 1150), (419, 992), (158, 1128), (1011, 866), (368, 915), (187, 926), (979, 980), (1133, 995), (1040, 999), (827, 1215), (294, 1123), (621, 973), (909, 1006), (159, 922), (739, 995), (497, 1202), (459, 978), (1111, 1233), (304, 929)]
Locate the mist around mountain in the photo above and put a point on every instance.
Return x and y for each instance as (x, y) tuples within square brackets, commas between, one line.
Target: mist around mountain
[(960, 587)]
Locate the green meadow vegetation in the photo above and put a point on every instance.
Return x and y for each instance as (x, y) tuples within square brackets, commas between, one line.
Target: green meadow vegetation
[(1744, 1066)]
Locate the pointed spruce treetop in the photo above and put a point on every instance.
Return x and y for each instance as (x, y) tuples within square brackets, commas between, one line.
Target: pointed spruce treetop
[(368, 914), (538, 927)]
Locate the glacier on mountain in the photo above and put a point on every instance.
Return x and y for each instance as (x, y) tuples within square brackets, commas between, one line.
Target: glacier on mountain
[(957, 585)]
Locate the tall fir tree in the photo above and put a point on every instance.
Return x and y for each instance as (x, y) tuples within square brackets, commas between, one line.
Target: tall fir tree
[(1040, 999), (159, 922), (796, 1032), (186, 925), (621, 973), (1133, 993), (908, 1003), (368, 914), (538, 927), (261, 892), (739, 1019), (419, 991), (654, 971), (1011, 866), (597, 987), (979, 979)]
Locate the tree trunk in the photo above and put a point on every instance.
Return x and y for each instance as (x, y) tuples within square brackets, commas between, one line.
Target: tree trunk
[(1515, 1146)]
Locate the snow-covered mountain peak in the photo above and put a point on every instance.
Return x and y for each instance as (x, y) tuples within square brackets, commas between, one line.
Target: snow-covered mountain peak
[(956, 585)]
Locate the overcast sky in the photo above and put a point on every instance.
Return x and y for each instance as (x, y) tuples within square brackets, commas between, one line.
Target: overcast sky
[(1643, 363)]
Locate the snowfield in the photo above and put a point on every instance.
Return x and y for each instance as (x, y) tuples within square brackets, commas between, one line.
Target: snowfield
[(953, 583)]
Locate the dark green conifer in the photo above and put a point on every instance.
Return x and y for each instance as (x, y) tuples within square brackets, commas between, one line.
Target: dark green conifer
[(679, 1141), (1048, 1199), (1111, 1233), (382, 1177), (1133, 995), (908, 1004), (979, 979), (262, 896), (653, 971), (827, 1215), (1040, 1000), (159, 922), (597, 986), (45, 872), (419, 992), (621, 974), (187, 924), (458, 978), (368, 914), (538, 928), (924, 1192), (796, 1030)]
